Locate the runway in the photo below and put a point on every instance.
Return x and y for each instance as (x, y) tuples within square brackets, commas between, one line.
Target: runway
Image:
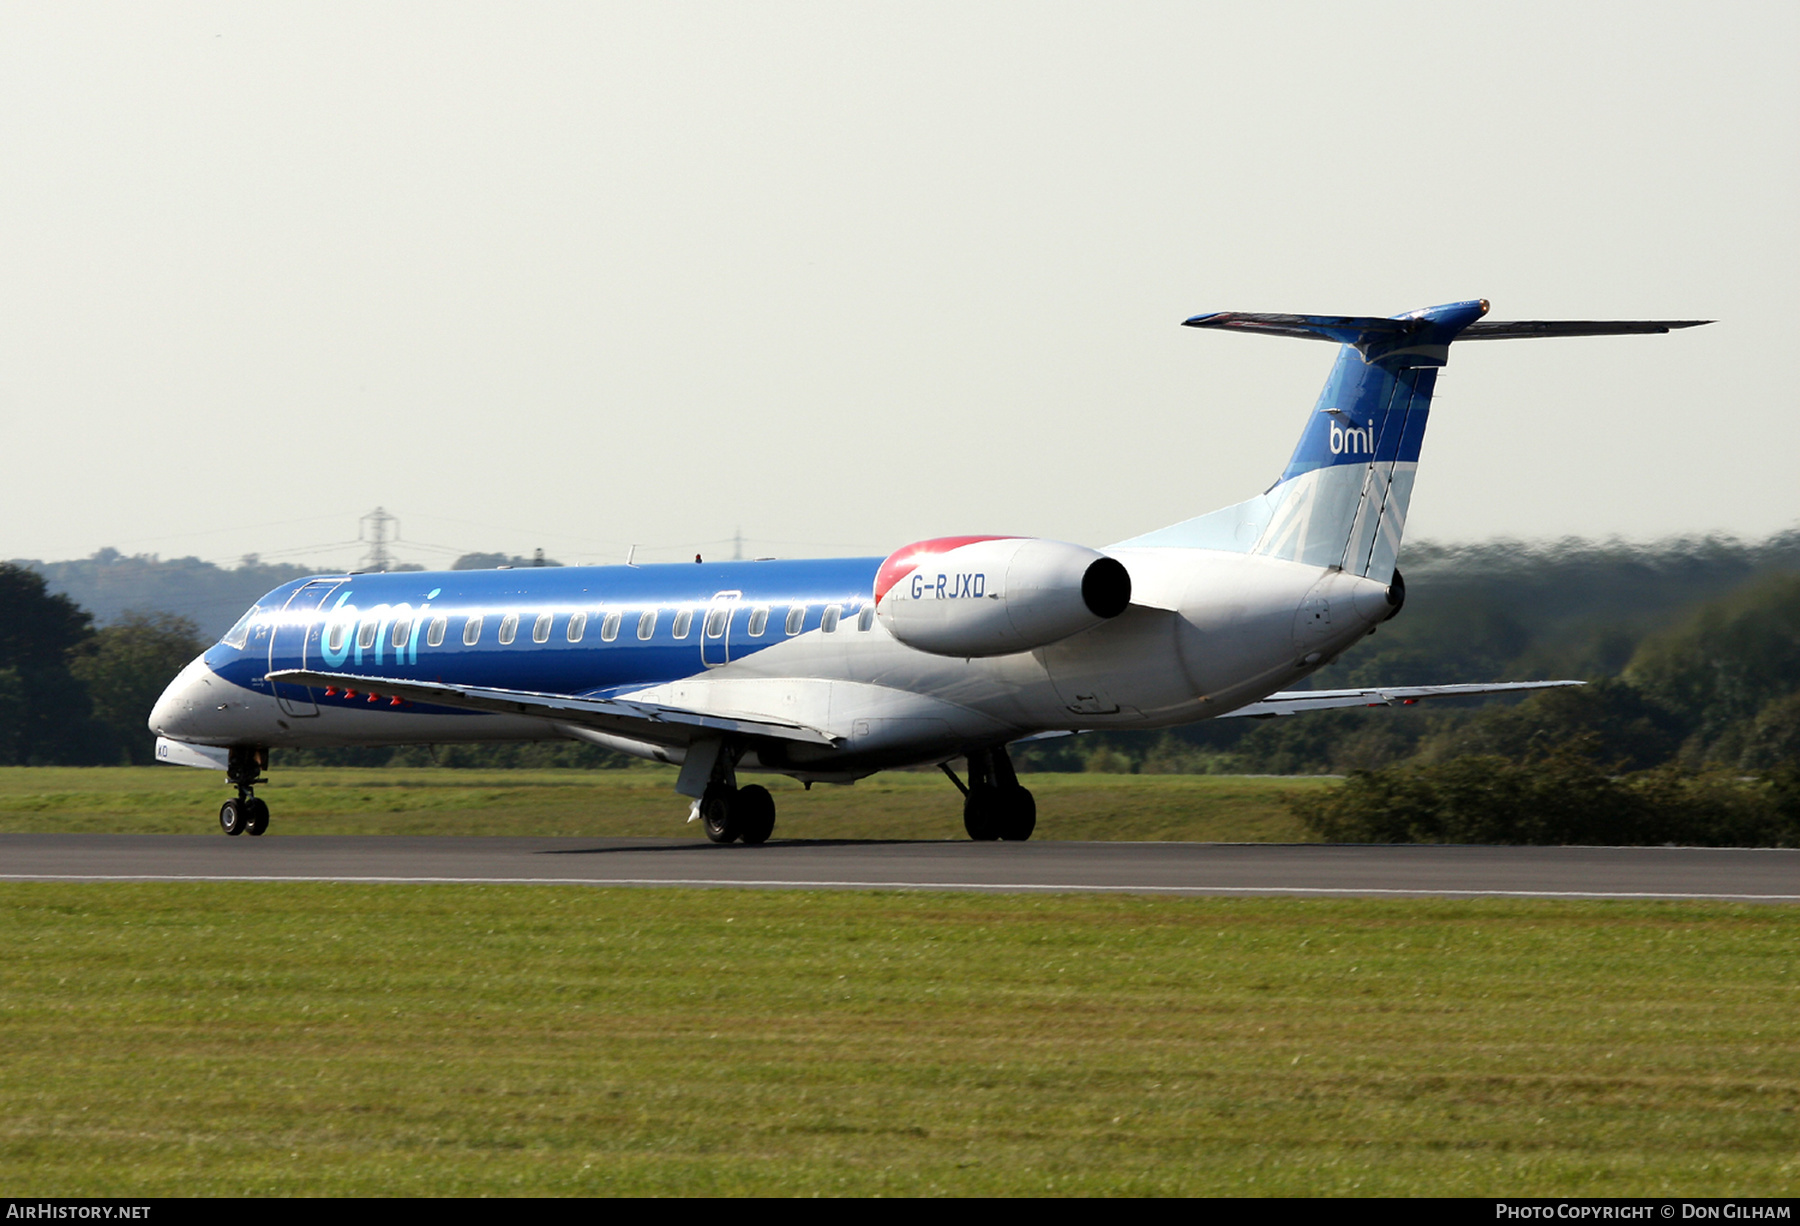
[(1725, 874)]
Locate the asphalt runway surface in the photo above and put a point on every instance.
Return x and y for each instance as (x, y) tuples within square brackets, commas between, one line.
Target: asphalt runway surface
[(1726, 874)]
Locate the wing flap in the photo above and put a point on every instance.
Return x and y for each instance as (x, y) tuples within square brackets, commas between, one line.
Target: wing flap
[(646, 721), (1297, 702)]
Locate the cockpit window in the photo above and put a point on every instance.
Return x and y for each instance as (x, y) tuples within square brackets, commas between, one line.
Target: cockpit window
[(239, 634)]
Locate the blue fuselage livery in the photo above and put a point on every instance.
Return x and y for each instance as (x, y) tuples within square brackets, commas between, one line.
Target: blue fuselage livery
[(828, 670), (588, 631)]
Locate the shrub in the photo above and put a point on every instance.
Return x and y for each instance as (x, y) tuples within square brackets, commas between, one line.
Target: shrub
[(1562, 799)]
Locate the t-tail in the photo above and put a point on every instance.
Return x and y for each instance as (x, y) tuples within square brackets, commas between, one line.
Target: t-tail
[(1342, 500)]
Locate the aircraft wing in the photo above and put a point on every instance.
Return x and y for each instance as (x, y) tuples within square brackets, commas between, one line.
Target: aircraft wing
[(641, 720), (1295, 702)]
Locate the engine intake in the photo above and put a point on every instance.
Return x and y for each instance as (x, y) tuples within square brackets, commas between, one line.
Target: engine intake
[(994, 595)]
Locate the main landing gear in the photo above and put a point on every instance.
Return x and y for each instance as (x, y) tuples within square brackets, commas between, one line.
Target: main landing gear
[(729, 813), (994, 805), (732, 813), (246, 814)]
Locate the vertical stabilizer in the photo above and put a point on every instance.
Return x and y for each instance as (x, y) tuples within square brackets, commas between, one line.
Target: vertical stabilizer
[(1342, 500)]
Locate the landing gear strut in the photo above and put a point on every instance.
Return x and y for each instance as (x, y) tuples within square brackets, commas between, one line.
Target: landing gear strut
[(247, 814), (994, 805), (730, 812)]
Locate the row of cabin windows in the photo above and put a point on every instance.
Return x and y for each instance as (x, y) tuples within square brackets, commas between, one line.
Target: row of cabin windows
[(716, 621)]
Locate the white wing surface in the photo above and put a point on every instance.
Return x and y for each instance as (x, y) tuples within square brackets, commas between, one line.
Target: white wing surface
[(644, 721), (1296, 702)]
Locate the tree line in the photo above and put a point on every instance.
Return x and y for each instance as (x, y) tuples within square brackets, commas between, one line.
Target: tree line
[(1687, 731), (71, 694)]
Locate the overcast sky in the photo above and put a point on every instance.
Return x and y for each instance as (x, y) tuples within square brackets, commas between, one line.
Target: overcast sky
[(578, 276)]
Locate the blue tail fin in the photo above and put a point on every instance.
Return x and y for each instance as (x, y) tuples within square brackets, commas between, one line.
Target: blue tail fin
[(1343, 498)]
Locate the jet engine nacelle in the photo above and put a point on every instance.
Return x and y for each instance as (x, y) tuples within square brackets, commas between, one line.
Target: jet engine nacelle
[(994, 595)]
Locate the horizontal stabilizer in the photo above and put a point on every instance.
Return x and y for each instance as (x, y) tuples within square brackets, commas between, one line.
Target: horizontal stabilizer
[(1344, 329), (1366, 330), (1296, 702), (1524, 329), (639, 720)]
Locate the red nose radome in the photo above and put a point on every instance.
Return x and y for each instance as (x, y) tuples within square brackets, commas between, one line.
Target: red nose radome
[(994, 595)]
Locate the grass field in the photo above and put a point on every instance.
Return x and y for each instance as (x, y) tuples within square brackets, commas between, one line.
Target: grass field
[(165, 1039), (175, 800)]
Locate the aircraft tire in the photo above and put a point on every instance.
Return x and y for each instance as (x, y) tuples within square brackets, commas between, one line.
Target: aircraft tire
[(755, 814), (1018, 815), (982, 809), (256, 816), (719, 813), (231, 817)]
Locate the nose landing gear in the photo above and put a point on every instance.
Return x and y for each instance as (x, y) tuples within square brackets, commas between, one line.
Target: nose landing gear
[(247, 814), (995, 806)]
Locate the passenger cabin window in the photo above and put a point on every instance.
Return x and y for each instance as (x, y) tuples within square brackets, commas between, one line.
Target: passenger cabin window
[(717, 620), (647, 624), (365, 637), (866, 619), (334, 638), (472, 631), (509, 626), (434, 637), (609, 626), (577, 626), (828, 623), (402, 630), (759, 621), (796, 619), (540, 630), (683, 620)]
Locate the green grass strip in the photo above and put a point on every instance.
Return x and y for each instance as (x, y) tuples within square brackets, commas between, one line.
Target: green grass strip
[(641, 802), (177, 1039)]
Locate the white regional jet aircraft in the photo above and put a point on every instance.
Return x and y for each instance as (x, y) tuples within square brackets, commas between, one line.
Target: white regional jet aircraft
[(834, 669)]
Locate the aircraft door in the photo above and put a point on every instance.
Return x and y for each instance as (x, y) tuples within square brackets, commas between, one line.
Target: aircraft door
[(296, 640), (715, 631)]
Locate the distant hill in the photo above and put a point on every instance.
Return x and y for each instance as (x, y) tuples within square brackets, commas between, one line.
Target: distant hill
[(212, 597), (110, 584), (1502, 610)]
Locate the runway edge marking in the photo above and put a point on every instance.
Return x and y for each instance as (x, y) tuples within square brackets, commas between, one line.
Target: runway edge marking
[(984, 886)]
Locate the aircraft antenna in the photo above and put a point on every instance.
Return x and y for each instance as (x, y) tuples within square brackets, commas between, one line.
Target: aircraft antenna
[(737, 545), (375, 529)]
